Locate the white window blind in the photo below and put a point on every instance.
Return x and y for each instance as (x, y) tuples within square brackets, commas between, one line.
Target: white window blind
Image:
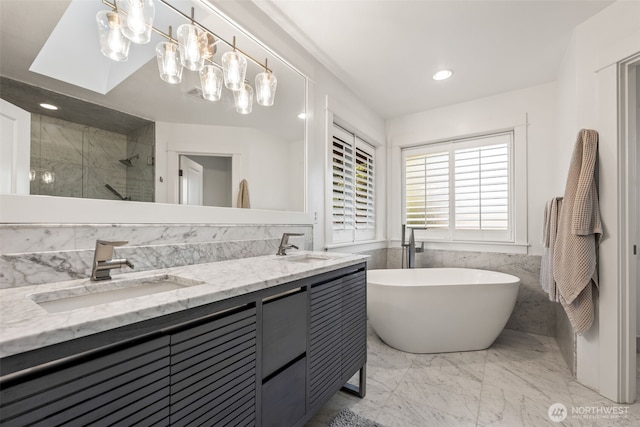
[(461, 190), (353, 188)]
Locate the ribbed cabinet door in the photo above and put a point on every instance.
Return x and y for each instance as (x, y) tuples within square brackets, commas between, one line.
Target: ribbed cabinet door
[(325, 341), (354, 324), (126, 387), (213, 372)]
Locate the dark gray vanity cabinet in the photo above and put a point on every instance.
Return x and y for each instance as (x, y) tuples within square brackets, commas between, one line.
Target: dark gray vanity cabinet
[(268, 358), (213, 372), (338, 335), (284, 346), (126, 385)]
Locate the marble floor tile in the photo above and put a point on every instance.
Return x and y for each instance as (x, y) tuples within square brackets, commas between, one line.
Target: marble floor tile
[(511, 384)]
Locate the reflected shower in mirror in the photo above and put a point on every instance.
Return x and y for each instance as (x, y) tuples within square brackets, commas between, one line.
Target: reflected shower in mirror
[(131, 126)]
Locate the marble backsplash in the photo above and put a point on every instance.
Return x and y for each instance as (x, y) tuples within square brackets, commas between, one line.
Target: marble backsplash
[(533, 312), (32, 254)]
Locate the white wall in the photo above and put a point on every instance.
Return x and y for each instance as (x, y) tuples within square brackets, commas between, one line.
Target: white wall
[(326, 94), (504, 111), (257, 157), (588, 99)]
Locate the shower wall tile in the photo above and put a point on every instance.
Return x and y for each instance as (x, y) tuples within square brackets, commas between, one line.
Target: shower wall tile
[(96, 179), (36, 254), (104, 149), (533, 312), (61, 140), (68, 179), (141, 176)]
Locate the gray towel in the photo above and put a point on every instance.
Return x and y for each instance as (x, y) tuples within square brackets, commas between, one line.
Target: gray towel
[(551, 214)]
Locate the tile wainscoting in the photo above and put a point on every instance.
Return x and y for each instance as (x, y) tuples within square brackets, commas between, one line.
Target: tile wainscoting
[(43, 253)]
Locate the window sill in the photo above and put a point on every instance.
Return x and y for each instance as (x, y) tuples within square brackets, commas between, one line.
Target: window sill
[(498, 247)]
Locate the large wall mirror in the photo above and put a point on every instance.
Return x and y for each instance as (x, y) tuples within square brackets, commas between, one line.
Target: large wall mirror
[(121, 132)]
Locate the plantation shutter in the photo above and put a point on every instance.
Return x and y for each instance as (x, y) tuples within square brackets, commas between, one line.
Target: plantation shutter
[(461, 190), (353, 204), (364, 195), (482, 187)]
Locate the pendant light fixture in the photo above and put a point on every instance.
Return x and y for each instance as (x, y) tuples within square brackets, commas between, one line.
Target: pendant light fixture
[(244, 99), (132, 20), (169, 63), (137, 19), (266, 84), (191, 40), (234, 67), (211, 82), (112, 43)]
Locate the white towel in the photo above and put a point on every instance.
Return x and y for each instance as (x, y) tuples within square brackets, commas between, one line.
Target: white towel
[(579, 232), (551, 214)]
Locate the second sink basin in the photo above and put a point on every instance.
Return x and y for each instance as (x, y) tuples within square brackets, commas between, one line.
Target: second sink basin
[(306, 258), (97, 293)]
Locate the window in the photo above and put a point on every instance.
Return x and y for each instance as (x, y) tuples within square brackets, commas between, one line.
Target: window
[(461, 190), (353, 206)]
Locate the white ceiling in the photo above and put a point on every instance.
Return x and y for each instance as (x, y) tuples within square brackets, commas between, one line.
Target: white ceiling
[(387, 50)]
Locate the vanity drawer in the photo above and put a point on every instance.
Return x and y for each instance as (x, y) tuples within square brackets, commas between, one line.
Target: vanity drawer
[(283, 396), (284, 333)]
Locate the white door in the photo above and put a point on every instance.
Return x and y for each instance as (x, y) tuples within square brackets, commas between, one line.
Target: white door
[(191, 182), (15, 148)]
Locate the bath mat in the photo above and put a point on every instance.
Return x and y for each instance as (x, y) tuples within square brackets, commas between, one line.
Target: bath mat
[(346, 418)]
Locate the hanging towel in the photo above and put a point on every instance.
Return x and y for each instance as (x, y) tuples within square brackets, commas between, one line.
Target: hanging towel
[(551, 214), (579, 232), (243, 195)]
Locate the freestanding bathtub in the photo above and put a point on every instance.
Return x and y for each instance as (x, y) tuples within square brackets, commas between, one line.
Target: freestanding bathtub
[(437, 310)]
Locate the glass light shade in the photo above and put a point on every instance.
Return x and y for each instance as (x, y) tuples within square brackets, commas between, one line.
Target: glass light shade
[(137, 19), (234, 67), (211, 81), (244, 99), (112, 43), (266, 84), (192, 40), (48, 177), (169, 64)]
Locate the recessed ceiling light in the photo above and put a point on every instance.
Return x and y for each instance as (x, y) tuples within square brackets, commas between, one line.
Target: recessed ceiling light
[(48, 106), (442, 75), (302, 115)]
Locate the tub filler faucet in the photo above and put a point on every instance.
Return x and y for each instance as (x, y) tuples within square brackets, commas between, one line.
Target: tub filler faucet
[(103, 260), (410, 248)]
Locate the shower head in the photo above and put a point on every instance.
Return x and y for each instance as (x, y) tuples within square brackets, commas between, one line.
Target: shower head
[(128, 162)]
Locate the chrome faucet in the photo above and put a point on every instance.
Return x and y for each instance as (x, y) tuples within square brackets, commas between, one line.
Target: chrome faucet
[(103, 262), (410, 247), (284, 243)]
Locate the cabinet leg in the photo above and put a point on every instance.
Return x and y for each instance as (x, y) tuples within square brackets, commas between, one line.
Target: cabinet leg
[(361, 389)]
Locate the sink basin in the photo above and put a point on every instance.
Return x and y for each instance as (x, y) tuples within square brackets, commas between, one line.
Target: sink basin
[(97, 293), (306, 258)]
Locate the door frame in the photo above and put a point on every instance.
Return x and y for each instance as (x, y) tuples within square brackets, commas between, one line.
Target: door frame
[(629, 233)]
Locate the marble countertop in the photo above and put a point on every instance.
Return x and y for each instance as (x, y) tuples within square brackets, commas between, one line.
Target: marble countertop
[(25, 325)]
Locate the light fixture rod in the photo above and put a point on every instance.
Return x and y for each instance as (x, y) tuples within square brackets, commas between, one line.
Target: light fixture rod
[(231, 45), (218, 38)]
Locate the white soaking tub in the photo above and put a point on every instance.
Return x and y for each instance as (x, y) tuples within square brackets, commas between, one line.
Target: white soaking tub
[(437, 310)]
